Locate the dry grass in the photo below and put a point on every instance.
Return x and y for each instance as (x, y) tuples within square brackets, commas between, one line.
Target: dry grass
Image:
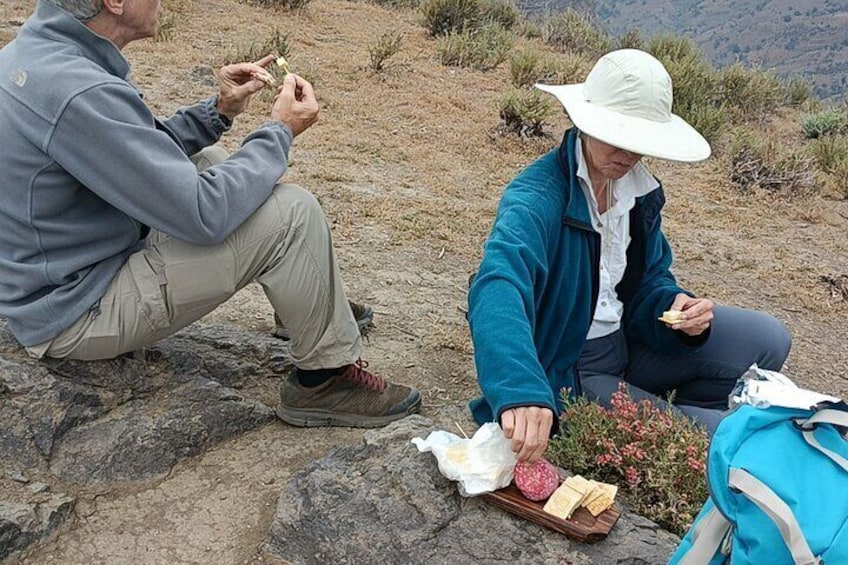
[(408, 164)]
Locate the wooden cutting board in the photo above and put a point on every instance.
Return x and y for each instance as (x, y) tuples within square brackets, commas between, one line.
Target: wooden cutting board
[(582, 526)]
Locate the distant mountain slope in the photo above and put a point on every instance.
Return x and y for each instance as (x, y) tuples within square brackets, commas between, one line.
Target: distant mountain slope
[(793, 37)]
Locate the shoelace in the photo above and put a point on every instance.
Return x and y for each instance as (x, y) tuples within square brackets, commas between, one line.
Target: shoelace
[(356, 372)]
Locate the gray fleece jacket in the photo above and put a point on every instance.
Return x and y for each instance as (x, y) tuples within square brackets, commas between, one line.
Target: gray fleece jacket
[(87, 170)]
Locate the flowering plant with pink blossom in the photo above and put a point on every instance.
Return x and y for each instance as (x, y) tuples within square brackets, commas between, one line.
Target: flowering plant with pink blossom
[(655, 455)]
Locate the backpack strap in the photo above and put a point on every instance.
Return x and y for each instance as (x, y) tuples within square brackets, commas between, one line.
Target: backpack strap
[(827, 416), (707, 537), (772, 505)]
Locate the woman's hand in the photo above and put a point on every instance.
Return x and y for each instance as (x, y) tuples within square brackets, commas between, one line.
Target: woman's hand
[(697, 314), (238, 83), (529, 428)]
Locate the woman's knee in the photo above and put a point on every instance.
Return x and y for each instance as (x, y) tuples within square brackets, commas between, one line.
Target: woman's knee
[(779, 342), (765, 337)]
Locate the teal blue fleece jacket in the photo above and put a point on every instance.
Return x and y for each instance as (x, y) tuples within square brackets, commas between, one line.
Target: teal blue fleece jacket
[(533, 298), (87, 170)]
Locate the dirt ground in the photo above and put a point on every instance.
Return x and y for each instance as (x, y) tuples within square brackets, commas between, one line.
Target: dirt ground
[(409, 168)]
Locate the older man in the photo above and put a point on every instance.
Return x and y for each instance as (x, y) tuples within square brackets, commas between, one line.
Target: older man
[(119, 228)]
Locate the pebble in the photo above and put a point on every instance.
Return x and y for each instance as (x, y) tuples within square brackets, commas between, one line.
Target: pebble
[(38, 488), (17, 476)]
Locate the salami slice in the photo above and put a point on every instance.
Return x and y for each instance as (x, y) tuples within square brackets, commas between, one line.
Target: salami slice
[(536, 481)]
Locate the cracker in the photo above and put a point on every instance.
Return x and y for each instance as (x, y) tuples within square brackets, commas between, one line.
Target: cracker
[(599, 505), (580, 485), (671, 317), (594, 493), (563, 502), (283, 64)]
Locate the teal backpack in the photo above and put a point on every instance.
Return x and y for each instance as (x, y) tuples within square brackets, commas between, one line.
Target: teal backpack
[(778, 482)]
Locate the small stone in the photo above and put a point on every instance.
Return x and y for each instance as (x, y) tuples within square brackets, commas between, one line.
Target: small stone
[(17, 476), (38, 488)]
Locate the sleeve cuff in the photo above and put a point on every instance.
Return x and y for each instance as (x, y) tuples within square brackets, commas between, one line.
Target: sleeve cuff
[(695, 340), (220, 123)]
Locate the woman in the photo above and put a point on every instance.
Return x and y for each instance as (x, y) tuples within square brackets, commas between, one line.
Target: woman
[(575, 273)]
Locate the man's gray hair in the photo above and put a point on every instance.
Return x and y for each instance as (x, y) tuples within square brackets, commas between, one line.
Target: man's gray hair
[(80, 9)]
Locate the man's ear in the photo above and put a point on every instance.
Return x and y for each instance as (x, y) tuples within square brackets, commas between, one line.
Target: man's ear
[(115, 7)]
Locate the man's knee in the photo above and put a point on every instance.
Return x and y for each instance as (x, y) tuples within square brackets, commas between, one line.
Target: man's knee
[(296, 205), (208, 157)]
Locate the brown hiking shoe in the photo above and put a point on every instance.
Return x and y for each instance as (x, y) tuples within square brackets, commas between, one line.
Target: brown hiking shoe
[(362, 313), (355, 398)]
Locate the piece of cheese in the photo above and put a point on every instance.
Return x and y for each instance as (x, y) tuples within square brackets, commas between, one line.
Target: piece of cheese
[(283, 64)]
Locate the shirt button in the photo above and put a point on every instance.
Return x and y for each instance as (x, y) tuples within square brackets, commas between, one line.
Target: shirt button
[(604, 303), (600, 225)]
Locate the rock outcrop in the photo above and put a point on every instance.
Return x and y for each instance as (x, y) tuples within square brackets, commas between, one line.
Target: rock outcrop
[(385, 502), (125, 420)]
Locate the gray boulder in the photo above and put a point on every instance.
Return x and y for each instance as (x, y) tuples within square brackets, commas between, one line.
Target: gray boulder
[(129, 419), (384, 502), (22, 524)]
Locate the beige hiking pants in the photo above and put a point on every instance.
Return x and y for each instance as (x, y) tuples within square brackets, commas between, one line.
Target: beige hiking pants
[(285, 245)]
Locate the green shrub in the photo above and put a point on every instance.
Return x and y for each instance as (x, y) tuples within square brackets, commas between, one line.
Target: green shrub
[(759, 163), (442, 17), (528, 28), (277, 44), (668, 47), (830, 152), (838, 179), (482, 49), (750, 93), (631, 39), (697, 97), (825, 122), (167, 24), (288, 5), (524, 67), (523, 112), (656, 456), (386, 47), (530, 66), (571, 30), (397, 3), (502, 12), (798, 91)]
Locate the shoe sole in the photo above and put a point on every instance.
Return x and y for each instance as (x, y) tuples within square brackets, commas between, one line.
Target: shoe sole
[(362, 323), (305, 418)]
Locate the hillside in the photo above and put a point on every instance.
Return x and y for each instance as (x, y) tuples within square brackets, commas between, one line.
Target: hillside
[(409, 166), (808, 39)]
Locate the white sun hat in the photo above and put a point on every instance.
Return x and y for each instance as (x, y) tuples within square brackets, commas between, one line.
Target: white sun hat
[(626, 102)]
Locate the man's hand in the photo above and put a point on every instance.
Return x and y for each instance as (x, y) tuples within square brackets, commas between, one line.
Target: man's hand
[(295, 104), (529, 428), (238, 84), (697, 314)]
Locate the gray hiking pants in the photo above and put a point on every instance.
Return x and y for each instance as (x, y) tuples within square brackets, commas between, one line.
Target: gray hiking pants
[(285, 246), (702, 379)]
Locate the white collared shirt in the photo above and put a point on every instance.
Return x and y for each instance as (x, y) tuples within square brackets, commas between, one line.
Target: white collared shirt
[(615, 237)]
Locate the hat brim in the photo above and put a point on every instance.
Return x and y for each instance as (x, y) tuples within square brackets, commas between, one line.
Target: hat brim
[(674, 140)]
